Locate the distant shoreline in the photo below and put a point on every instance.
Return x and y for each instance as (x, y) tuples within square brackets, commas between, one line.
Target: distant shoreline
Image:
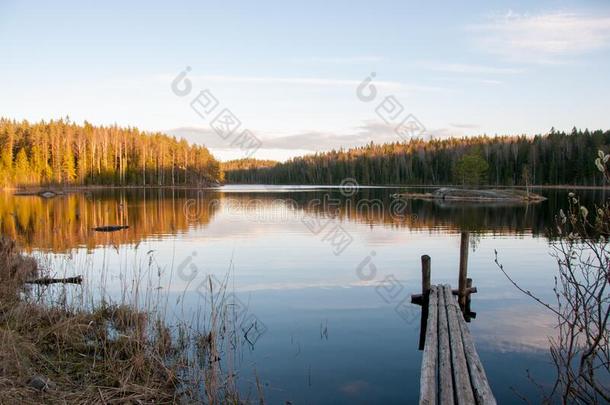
[(33, 190)]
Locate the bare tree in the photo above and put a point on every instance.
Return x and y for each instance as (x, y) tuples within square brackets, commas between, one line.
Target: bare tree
[(580, 350)]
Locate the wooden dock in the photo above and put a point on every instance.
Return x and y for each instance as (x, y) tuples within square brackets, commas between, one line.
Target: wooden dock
[(451, 370)]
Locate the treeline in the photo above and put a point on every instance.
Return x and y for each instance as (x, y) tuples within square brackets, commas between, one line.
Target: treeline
[(64, 153), (554, 158), (249, 168)]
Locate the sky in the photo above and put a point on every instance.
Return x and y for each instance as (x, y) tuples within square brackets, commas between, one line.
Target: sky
[(292, 74)]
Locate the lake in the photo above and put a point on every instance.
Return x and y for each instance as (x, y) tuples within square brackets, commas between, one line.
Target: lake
[(321, 277)]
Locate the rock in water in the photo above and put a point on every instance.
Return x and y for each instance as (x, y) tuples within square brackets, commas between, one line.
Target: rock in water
[(47, 194), (476, 195)]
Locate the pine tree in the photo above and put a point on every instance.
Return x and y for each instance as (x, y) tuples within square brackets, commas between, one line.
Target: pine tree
[(471, 169), (22, 168)]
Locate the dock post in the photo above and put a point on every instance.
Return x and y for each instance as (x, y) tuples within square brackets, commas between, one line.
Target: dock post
[(468, 314), (463, 276), (425, 293), (425, 276), (421, 299)]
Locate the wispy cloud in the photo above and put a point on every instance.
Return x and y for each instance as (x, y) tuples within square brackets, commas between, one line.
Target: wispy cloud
[(293, 80), (308, 140), (465, 126), (470, 68), (345, 60), (367, 132), (301, 81), (543, 38), (466, 79)]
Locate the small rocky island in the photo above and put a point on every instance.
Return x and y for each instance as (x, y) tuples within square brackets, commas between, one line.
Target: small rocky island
[(462, 194)]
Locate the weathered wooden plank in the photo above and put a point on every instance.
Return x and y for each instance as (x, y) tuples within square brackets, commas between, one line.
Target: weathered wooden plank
[(418, 298), (445, 380), (478, 378), (463, 387), (429, 365)]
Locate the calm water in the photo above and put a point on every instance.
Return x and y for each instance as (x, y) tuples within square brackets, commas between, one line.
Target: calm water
[(324, 276)]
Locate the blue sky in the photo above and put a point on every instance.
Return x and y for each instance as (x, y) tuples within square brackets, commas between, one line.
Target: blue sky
[(289, 71)]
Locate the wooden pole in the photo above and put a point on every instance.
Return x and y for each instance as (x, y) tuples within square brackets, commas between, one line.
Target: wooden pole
[(423, 300), (467, 312), (462, 281), (425, 275)]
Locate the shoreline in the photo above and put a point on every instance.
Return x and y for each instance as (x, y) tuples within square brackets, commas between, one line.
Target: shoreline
[(84, 350), (34, 190)]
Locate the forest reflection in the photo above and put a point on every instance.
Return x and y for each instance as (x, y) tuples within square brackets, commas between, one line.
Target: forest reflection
[(65, 222)]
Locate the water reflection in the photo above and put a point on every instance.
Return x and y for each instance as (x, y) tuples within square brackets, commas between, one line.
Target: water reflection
[(294, 283), (66, 222)]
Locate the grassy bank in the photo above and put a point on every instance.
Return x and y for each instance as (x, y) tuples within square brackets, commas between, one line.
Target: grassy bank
[(53, 353)]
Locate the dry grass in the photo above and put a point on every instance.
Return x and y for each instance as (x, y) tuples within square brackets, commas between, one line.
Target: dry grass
[(110, 354)]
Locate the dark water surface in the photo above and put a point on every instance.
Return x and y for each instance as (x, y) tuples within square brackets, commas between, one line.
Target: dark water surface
[(324, 275)]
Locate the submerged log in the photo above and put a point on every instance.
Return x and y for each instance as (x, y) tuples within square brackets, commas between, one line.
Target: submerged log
[(110, 228), (48, 280)]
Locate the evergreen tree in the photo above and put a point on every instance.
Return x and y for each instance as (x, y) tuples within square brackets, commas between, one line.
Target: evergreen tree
[(68, 172), (22, 168), (471, 169), (64, 152)]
